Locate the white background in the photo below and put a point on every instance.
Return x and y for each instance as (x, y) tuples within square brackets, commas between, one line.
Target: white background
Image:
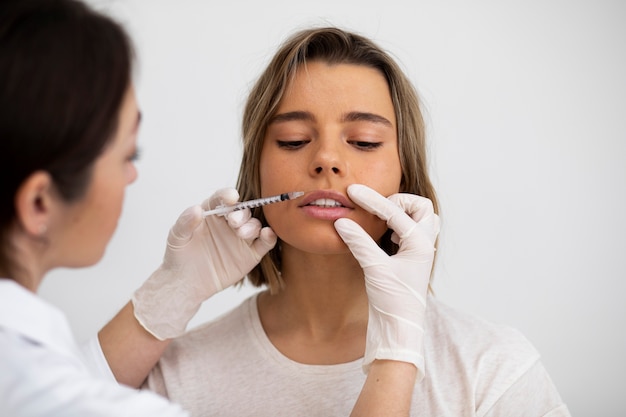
[(526, 113)]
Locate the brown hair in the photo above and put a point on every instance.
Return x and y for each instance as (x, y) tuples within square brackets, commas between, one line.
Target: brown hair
[(64, 70), (334, 46)]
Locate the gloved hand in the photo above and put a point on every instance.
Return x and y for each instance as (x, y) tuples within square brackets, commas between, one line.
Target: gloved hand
[(202, 257), (396, 285)]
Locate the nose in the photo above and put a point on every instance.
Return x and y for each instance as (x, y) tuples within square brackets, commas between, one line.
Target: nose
[(328, 159), (131, 174), (333, 169)]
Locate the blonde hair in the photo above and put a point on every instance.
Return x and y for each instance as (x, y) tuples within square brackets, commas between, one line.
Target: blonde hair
[(334, 46)]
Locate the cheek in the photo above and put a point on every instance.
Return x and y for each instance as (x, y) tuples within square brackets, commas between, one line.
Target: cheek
[(277, 220), (108, 206), (384, 177), (94, 224), (277, 177)]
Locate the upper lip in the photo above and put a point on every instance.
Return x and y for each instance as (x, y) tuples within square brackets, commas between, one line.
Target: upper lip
[(327, 194)]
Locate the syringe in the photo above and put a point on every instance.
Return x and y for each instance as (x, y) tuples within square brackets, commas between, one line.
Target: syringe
[(223, 210)]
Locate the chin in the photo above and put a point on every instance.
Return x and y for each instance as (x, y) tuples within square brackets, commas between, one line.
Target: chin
[(328, 243), (334, 248), (90, 260)]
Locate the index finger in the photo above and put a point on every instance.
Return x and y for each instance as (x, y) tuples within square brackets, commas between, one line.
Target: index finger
[(225, 196), (377, 204)]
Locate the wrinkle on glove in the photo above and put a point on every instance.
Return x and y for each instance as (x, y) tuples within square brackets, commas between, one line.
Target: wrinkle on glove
[(396, 285), (203, 256)]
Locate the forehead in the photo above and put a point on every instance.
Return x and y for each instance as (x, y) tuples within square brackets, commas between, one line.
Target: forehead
[(358, 87), (129, 118)]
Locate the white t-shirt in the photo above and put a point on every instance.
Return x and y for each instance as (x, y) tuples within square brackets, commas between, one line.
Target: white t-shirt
[(42, 373), (229, 367)]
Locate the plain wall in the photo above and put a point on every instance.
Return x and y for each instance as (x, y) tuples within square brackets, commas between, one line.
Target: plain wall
[(526, 113)]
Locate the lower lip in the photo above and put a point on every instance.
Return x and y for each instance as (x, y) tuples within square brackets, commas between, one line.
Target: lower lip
[(326, 213)]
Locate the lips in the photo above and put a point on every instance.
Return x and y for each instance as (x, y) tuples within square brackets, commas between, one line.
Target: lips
[(326, 205)]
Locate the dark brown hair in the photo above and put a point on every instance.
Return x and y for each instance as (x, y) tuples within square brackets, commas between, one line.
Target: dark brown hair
[(64, 70)]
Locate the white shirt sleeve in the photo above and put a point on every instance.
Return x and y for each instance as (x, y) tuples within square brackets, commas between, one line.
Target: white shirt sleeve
[(532, 395), (95, 359), (36, 382)]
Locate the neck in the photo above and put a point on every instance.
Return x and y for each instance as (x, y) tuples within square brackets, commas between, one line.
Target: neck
[(322, 288), (26, 260), (321, 314)]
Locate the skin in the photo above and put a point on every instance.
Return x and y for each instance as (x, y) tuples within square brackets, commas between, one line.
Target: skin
[(387, 390), (335, 126), (80, 229)]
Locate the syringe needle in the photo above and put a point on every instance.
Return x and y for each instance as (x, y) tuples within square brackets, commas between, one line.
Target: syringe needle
[(222, 210)]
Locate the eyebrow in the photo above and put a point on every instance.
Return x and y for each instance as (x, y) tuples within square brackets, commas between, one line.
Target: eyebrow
[(293, 116), (357, 116), (354, 116)]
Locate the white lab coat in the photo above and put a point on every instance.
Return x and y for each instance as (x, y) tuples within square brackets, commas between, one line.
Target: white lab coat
[(43, 373)]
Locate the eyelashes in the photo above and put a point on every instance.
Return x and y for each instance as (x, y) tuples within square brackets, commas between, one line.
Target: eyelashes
[(298, 144), (135, 156), (365, 145), (291, 144)]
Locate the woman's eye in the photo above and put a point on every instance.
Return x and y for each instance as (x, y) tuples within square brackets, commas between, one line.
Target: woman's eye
[(134, 156), (291, 144), (365, 145)]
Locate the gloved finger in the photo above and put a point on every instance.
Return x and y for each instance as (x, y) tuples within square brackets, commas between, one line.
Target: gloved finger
[(183, 229), (249, 230), (224, 196), (238, 218), (416, 206), (420, 209), (266, 241), (436, 227), (375, 203), (360, 243), (245, 226)]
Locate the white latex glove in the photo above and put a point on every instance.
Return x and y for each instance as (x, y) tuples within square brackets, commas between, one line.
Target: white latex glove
[(396, 285), (202, 257)]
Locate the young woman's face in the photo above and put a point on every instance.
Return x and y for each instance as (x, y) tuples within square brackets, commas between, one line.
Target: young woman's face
[(90, 222), (335, 126)]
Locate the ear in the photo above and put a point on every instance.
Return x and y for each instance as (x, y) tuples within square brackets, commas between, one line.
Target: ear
[(33, 203)]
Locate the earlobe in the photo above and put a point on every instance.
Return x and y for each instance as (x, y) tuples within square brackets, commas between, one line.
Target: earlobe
[(33, 203)]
